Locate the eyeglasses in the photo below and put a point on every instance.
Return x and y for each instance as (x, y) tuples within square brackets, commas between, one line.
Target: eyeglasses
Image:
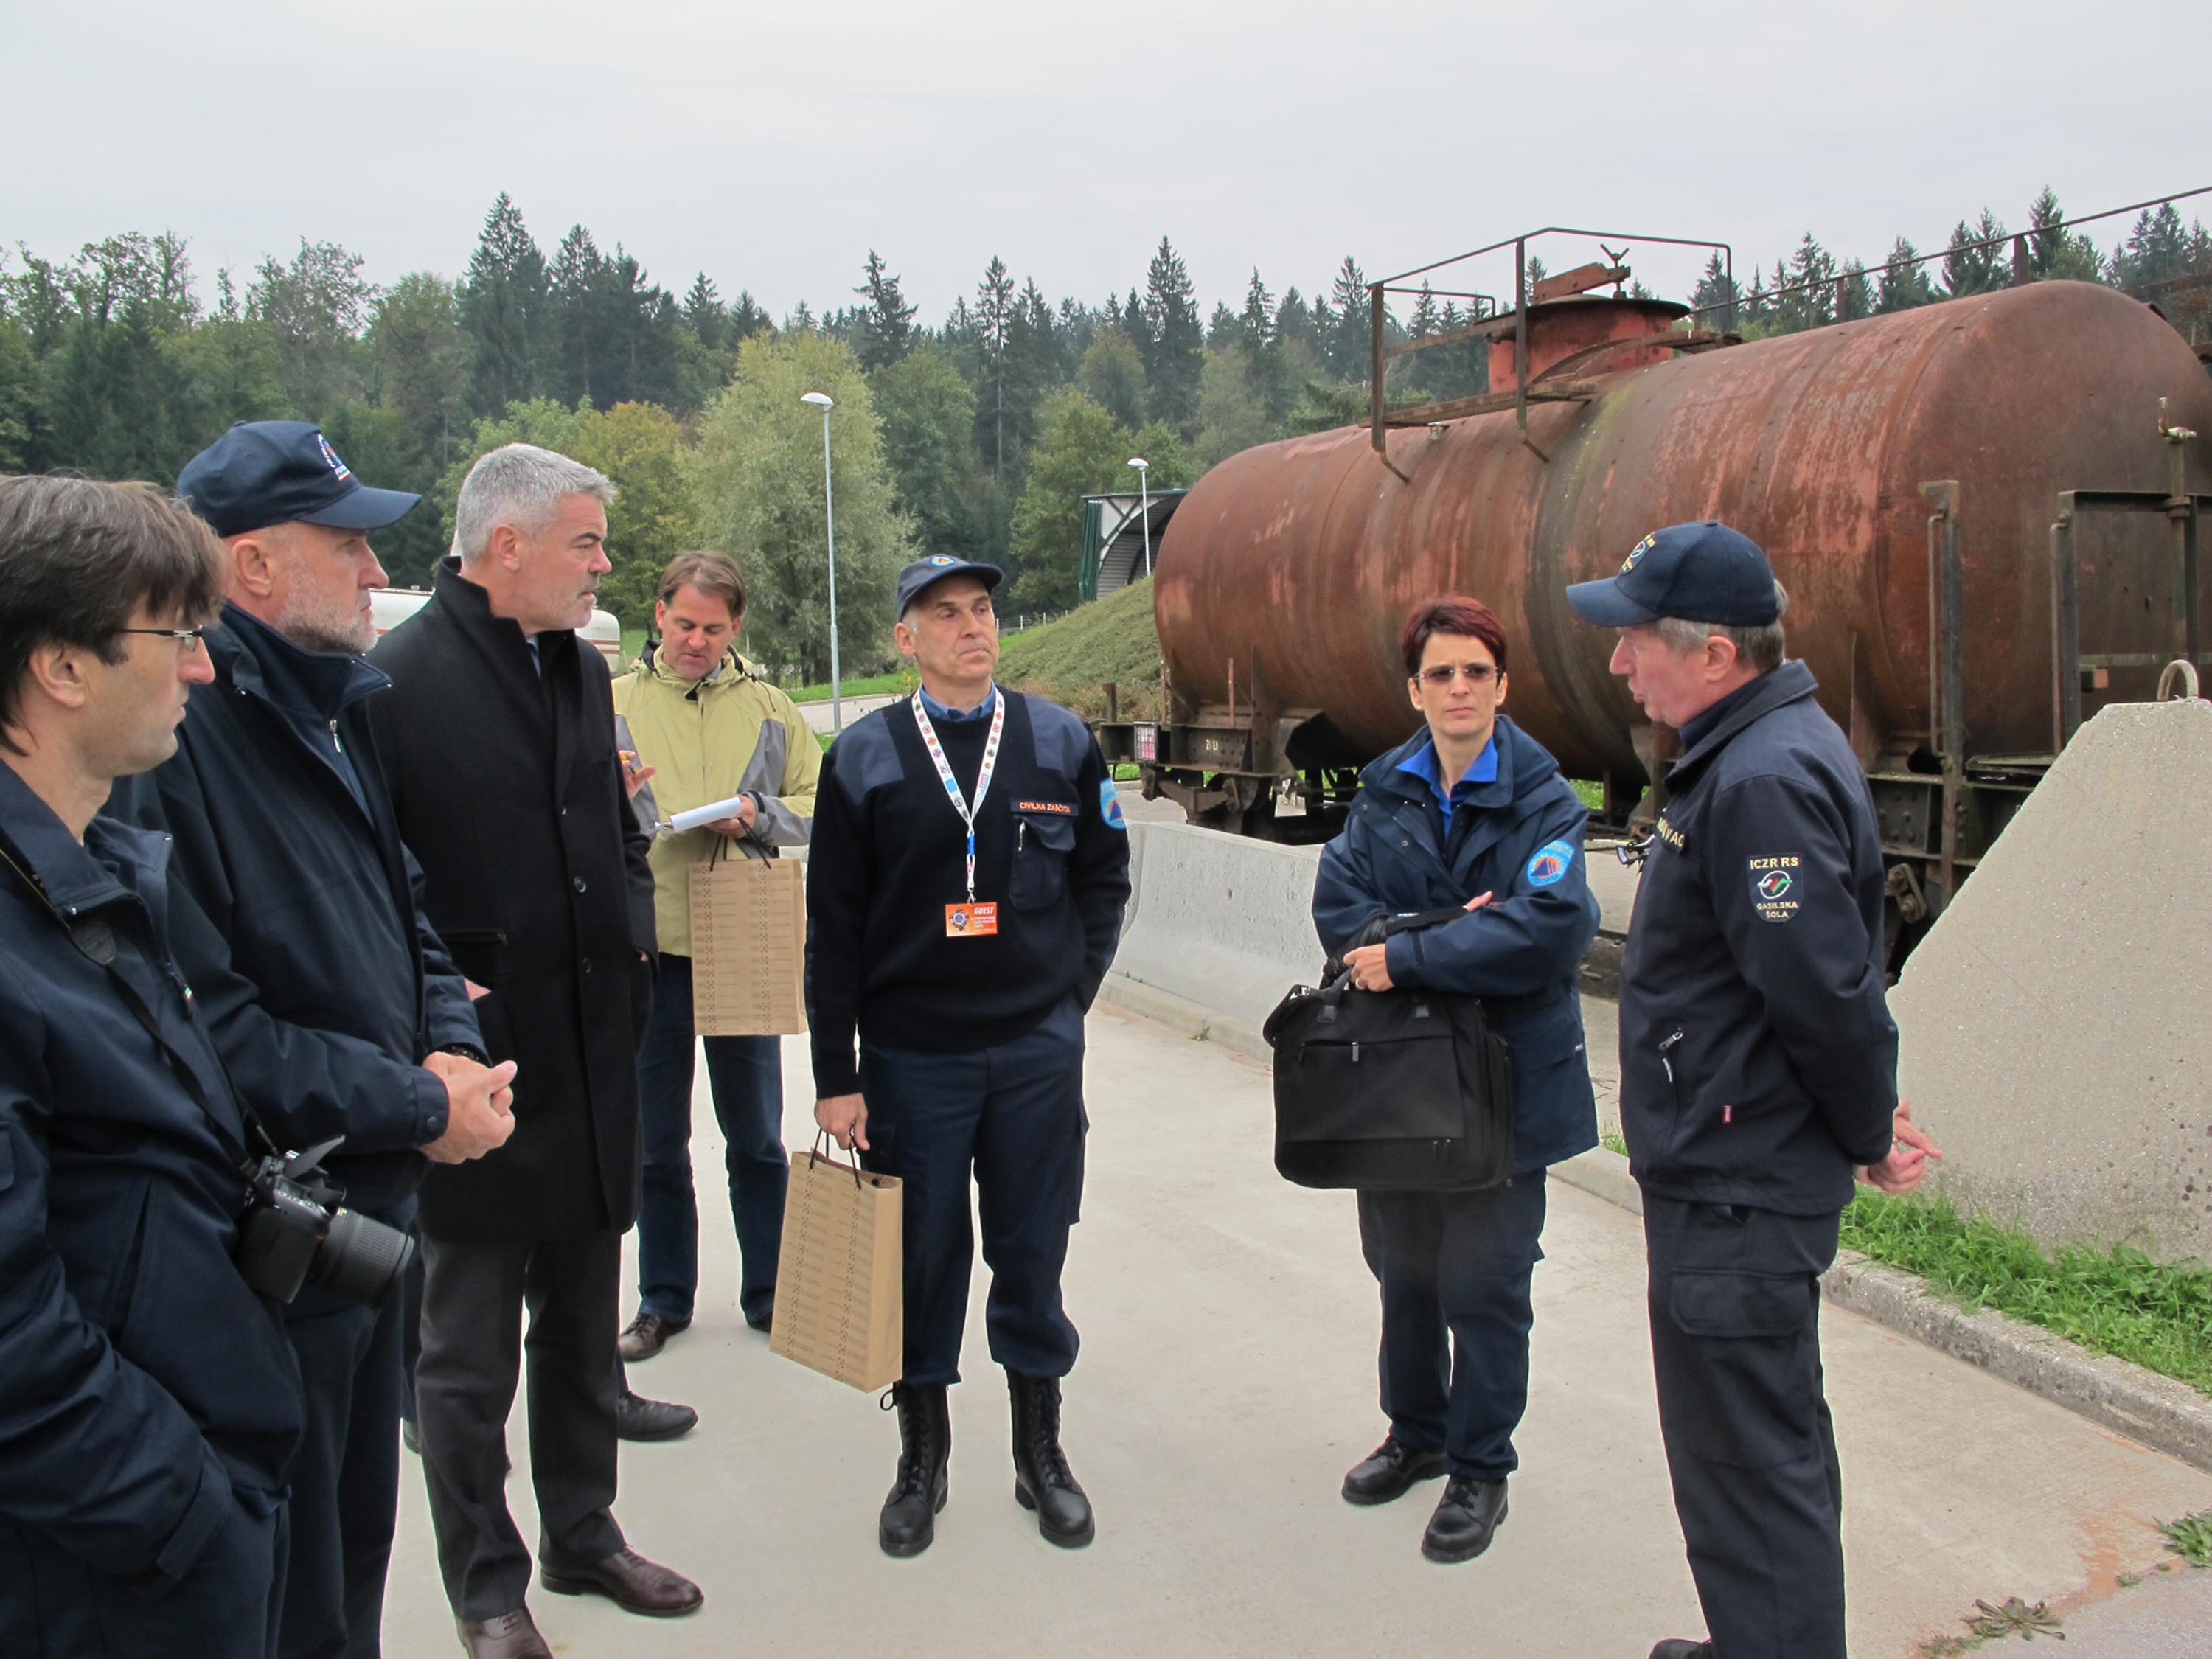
[(186, 638), (1476, 673)]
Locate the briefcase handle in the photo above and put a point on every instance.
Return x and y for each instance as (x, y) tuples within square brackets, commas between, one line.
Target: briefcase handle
[(820, 1153)]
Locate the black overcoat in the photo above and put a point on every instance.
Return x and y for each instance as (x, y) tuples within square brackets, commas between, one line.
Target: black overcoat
[(508, 790)]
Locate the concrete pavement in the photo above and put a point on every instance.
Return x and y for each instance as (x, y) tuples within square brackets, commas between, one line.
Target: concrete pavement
[(1227, 1381), (819, 714)]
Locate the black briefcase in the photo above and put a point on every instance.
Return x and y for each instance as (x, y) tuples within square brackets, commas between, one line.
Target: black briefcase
[(1398, 1091)]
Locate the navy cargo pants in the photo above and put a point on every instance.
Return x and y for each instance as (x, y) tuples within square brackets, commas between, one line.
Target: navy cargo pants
[(1013, 1114), (1735, 1343)]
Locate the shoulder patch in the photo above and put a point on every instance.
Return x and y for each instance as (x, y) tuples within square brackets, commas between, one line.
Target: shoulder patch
[(1774, 887), (1550, 864), (1109, 806)]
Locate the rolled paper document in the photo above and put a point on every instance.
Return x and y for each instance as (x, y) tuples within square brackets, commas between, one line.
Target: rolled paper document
[(699, 815)]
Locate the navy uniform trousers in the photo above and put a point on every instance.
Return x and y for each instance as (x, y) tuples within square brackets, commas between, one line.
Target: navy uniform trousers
[(55, 1607), (1013, 1113), (345, 1482), (1735, 1343), (1455, 1269)]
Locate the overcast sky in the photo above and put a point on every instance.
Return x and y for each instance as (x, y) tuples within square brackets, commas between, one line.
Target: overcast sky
[(772, 146)]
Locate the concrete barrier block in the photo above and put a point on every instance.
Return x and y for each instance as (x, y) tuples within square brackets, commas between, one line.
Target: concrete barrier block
[(2057, 1021), (1221, 923)]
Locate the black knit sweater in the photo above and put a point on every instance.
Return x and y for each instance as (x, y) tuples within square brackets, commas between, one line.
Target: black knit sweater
[(889, 854)]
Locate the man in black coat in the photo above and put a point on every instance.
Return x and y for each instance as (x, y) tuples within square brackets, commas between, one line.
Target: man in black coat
[(149, 1405), (1758, 1068), (498, 739), (297, 922)]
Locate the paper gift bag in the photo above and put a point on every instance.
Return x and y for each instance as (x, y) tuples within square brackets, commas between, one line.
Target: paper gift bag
[(839, 1293), (748, 947)]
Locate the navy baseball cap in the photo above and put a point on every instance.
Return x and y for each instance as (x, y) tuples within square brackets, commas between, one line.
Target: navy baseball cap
[(265, 472), (924, 573), (1705, 573)]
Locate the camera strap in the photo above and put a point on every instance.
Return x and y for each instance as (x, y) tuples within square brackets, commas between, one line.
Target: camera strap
[(95, 940)]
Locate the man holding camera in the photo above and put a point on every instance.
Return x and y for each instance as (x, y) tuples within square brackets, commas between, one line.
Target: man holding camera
[(149, 1405), (334, 1005)]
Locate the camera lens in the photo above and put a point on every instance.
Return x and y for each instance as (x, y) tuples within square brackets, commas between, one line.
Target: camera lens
[(360, 1260)]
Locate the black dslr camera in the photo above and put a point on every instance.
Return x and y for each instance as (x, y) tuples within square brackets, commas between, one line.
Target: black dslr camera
[(294, 1230)]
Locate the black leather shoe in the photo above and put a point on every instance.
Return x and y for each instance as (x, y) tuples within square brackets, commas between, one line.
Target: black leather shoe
[(1042, 1480), (1389, 1472), (631, 1581), (1675, 1647), (641, 1419), (761, 1320), (511, 1636), (909, 1523), (647, 1335), (1467, 1516)]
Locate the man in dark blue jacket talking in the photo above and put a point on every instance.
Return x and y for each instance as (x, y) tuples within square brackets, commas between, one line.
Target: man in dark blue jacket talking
[(1758, 1068), (333, 1004), (149, 1403), (1468, 813)]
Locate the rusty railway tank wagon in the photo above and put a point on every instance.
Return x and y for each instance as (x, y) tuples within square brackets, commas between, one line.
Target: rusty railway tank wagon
[(1986, 512)]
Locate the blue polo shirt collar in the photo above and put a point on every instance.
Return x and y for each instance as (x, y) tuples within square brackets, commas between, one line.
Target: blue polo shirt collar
[(1424, 766)]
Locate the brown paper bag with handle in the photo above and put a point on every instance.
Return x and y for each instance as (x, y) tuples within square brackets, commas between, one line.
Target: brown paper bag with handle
[(840, 1290), (748, 947)]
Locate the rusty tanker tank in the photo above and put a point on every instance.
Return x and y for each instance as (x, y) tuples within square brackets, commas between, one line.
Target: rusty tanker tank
[(1285, 576)]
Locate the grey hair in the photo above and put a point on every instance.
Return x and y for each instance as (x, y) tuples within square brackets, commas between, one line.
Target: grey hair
[(522, 485), (1760, 649)]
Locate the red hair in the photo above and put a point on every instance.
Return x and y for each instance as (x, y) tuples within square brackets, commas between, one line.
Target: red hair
[(1453, 613)]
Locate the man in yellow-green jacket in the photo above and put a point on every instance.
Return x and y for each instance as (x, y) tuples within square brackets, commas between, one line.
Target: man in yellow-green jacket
[(708, 728)]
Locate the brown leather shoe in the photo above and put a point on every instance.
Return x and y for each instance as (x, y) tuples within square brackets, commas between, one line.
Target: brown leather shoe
[(511, 1636), (631, 1581)]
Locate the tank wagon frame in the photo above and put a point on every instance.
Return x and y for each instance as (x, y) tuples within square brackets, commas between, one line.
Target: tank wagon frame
[(1956, 711)]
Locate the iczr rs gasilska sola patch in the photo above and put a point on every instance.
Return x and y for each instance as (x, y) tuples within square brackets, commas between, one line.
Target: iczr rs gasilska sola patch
[(1774, 882)]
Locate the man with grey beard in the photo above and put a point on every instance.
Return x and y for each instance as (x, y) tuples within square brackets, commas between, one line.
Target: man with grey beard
[(296, 915)]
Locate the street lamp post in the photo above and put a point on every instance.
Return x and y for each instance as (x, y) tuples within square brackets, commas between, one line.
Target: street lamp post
[(1144, 504), (822, 401)]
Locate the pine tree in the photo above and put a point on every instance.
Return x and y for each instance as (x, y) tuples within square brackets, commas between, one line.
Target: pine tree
[(708, 319), (576, 307), (1970, 270), (1858, 293), (1351, 343), (1716, 296), (1258, 320), (1175, 344), (885, 333), (1811, 273), (502, 308), (1224, 329), (1904, 282), (994, 320)]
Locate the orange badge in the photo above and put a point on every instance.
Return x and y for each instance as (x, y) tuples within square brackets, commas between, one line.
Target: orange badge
[(970, 920)]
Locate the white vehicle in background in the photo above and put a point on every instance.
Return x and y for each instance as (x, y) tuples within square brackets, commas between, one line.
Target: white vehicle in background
[(392, 606)]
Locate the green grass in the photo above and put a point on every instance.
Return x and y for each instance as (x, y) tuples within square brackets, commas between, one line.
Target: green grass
[(1592, 794), (633, 645), (2190, 1538), (1069, 658), (2118, 1302), (1613, 1141)]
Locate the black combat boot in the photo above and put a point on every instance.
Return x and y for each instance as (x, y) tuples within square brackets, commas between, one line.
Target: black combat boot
[(910, 1517), (1042, 1480)]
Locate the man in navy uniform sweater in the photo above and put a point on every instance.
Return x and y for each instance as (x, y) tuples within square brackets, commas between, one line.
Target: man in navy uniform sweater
[(964, 895)]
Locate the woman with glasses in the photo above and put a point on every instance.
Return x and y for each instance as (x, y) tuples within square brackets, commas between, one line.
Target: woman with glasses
[(1471, 812)]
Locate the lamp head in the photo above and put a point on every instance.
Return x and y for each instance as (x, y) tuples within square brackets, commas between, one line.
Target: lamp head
[(821, 400), (1139, 463)]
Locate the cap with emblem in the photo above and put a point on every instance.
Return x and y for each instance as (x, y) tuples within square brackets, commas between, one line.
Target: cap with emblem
[(265, 472), (1704, 572), (925, 572)]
